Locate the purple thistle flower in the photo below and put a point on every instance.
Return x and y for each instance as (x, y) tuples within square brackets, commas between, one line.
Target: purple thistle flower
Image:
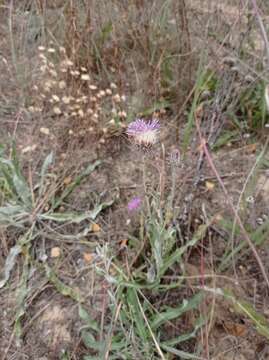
[(144, 133), (134, 204)]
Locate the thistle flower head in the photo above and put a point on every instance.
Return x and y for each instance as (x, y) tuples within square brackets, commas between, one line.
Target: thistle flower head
[(144, 133), (134, 204)]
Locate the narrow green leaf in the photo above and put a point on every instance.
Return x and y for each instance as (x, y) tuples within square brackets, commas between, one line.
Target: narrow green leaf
[(176, 256), (12, 171), (60, 286), (83, 314), (188, 336), (9, 264), (203, 77), (21, 293), (173, 313), (47, 162), (259, 321), (73, 217), (136, 314), (158, 105), (258, 237), (13, 215), (181, 354), (23, 190), (70, 188), (90, 341)]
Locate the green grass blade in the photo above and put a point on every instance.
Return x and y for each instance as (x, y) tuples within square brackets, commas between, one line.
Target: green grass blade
[(70, 188), (176, 256), (181, 354), (136, 314), (188, 336), (258, 237), (47, 162), (90, 323), (202, 79), (173, 313), (22, 291), (60, 286), (74, 217), (243, 307), (9, 264)]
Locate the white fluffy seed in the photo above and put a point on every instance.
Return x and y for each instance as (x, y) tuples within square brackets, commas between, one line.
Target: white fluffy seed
[(85, 77), (44, 131), (66, 99), (62, 84), (57, 110)]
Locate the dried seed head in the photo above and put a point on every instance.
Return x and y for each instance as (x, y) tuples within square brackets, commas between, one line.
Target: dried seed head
[(117, 98), (42, 57), (57, 110), (81, 113), (66, 63), (66, 99), (62, 84), (55, 98), (44, 130), (122, 114), (74, 72), (53, 73), (48, 84), (85, 77)]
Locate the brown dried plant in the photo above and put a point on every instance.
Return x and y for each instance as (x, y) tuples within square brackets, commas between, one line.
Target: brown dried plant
[(70, 95)]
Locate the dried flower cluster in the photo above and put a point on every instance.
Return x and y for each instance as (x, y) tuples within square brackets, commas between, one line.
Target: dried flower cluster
[(65, 91)]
